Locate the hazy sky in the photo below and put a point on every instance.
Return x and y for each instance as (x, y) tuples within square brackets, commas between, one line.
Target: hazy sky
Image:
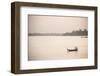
[(55, 24)]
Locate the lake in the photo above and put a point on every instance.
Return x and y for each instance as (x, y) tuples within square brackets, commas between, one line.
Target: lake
[(55, 47)]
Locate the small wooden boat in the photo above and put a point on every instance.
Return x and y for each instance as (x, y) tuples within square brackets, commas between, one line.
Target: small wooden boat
[(72, 49)]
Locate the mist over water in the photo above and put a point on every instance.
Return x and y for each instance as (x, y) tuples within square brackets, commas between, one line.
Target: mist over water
[(55, 47)]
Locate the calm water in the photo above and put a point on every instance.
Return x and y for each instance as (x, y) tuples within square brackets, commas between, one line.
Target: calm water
[(55, 47)]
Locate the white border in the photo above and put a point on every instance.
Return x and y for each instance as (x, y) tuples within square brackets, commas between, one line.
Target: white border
[(25, 64)]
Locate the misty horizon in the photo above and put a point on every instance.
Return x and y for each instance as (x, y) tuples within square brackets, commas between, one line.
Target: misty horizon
[(73, 33)]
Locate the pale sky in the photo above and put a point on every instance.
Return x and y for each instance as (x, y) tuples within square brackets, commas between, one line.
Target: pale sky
[(55, 24)]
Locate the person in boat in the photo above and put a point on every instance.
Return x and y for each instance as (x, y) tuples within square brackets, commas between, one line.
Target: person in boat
[(74, 49)]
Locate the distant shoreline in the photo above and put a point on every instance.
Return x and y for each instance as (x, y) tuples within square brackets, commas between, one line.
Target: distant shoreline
[(73, 33), (54, 35)]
